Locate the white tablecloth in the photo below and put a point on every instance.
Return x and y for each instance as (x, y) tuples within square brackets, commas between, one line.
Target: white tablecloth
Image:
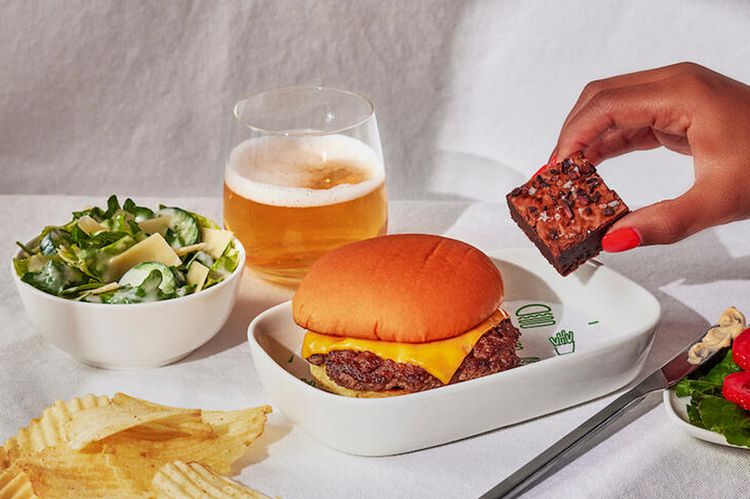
[(694, 281)]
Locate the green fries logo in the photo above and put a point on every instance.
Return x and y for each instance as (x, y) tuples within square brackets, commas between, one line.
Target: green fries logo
[(535, 315), (564, 342)]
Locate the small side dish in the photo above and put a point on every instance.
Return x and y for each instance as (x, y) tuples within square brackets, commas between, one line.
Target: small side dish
[(128, 254), (565, 210), (720, 394)]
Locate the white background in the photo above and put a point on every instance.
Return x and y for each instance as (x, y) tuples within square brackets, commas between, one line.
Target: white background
[(135, 97)]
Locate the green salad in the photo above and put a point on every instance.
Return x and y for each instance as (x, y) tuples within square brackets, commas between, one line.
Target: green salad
[(128, 254), (708, 406)]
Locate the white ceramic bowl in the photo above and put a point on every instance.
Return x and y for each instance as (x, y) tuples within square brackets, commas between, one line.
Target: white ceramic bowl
[(612, 318), (137, 335)]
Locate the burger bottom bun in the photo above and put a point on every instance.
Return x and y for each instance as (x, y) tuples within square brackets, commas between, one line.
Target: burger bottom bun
[(320, 375)]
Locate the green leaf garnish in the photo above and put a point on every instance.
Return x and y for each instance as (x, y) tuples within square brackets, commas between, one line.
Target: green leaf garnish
[(222, 267), (708, 409)]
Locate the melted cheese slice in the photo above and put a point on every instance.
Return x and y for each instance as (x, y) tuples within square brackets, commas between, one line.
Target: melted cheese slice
[(440, 358)]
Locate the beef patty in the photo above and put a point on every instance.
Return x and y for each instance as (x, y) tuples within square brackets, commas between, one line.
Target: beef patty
[(495, 351)]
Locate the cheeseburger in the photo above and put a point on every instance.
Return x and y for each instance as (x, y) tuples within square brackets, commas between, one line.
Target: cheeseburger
[(401, 314)]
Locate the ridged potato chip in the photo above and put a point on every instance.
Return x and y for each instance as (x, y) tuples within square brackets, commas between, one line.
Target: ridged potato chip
[(176, 426), (14, 484), (58, 472), (186, 425), (94, 446), (128, 402), (236, 431), (233, 431), (94, 425), (48, 430), (180, 480)]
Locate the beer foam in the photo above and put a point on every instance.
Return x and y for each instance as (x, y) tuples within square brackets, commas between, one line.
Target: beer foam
[(274, 170)]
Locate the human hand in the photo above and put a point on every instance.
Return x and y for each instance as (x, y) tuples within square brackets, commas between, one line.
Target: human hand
[(686, 108)]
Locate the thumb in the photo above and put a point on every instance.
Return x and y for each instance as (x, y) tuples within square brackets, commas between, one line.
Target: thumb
[(665, 222)]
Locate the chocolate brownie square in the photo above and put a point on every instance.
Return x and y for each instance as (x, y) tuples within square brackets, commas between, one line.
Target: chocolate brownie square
[(565, 210)]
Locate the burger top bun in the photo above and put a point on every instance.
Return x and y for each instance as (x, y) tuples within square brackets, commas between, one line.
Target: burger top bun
[(409, 288)]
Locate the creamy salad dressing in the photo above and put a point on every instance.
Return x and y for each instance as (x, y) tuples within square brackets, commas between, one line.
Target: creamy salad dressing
[(731, 324)]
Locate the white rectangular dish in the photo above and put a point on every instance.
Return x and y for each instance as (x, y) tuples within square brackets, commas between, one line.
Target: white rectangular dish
[(581, 337)]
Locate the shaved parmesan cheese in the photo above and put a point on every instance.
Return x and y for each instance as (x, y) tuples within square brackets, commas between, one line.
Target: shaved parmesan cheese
[(100, 290), (152, 249), (189, 249), (89, 225), (158, 225), (197, 275), (216, 241), (104, 289)]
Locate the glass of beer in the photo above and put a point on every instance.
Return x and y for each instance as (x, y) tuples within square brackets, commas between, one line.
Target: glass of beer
[(304, 175)]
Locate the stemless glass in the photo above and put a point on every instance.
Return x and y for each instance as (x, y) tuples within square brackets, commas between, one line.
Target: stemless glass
[(304, 175)]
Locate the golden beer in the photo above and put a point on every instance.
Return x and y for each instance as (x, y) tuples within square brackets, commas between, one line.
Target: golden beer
[(291, 200)]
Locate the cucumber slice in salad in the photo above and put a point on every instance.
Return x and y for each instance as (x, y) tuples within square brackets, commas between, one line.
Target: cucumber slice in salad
[(183, 229), (140, 213), (136, 275)]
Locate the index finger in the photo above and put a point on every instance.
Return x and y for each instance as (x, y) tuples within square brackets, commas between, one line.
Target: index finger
[(655, 104), (637, 78)]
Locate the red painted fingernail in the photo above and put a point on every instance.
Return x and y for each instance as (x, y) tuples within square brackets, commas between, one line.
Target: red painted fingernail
[(553, 158), (623, 239)]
